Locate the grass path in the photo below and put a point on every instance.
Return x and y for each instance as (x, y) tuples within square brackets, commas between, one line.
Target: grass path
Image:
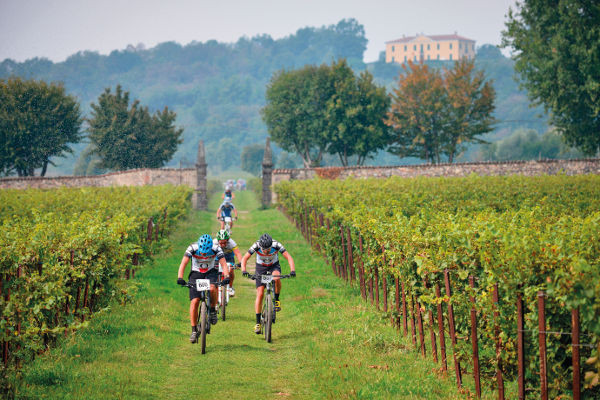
[(326, 342)]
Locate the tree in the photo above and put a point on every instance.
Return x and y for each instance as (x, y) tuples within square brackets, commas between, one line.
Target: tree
[(355, 115), (557, 53), (416, 117), (470, 106), (295, 111), (126, 138), (314, 110), (38, 121), (434, 115)]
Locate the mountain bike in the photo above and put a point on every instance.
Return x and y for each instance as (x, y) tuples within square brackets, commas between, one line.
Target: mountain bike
[(203, 287), (228, 221), (223, 296), (268, 314)]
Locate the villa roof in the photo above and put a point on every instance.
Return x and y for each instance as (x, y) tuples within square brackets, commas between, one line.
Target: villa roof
[(435, 38)]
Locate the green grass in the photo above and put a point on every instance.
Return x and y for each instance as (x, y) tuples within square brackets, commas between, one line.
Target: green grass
[(327, 343)]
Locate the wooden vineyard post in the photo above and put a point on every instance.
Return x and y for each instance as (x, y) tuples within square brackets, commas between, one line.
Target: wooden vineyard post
[(442, 336), (542, 340), (350, 255), (344, 266), (333, 267), (474, 341), (520, 347), (397, 296), (377, 286), (404, 315), (431, 327), (371, 295), (499, 379), (413, 332), (135, 263), (576, 359), (384, 279), (85, 299), (421, 332), (361, 270), (318, 224), (77, 296), (149, 230), (451, 326), (5, 348)]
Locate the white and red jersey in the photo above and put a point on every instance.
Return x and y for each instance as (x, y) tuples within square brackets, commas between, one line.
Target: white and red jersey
[(267, 258), (204, 262)]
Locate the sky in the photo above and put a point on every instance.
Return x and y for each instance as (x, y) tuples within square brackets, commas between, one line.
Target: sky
[(56, 29)]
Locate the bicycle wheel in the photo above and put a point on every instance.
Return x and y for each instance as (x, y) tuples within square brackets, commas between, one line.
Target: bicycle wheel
[(268, 318), (223, 300), (203, 325)]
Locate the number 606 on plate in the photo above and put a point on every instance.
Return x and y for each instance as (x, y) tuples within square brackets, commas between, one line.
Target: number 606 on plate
[(202, 284)]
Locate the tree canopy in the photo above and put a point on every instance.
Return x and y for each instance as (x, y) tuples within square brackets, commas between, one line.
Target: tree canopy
[(314, 110), (37, 121), (129, 137), (557, 54), (435, 113), (355, 115)]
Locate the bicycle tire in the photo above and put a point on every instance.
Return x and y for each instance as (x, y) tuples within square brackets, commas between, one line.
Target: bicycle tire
[(203, 325), (223, 301), (269, 319)]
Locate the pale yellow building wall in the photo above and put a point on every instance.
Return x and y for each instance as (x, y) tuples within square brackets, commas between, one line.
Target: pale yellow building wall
[(430, 49)]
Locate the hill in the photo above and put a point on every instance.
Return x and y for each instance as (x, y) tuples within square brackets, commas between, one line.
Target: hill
[(217, 89)]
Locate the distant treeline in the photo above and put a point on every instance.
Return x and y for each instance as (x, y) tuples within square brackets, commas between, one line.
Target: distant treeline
[(217, 89)]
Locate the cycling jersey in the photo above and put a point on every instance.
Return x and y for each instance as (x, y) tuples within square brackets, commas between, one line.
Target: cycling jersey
[(204, 262), (226, 210), (227, 250), (267, 258)]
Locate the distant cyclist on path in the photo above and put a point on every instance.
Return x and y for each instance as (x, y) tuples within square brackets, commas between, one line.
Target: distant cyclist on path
[(225, 210), (231, 251), (204, 255), (267, 261)]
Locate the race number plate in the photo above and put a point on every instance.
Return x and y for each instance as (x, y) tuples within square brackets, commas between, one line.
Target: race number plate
[(202, 285), (266, 278)]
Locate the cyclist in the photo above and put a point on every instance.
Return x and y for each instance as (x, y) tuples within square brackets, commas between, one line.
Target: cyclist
[(230, 248), (225, 210), (266, 250), (228, 193), (204, 255)]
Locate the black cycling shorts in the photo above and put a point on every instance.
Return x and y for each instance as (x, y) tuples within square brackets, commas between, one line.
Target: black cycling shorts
[(230, 258), (212, 275), (263, 269)]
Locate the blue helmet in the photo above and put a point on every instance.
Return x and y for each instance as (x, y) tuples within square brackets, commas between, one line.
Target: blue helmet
[(205, 243)]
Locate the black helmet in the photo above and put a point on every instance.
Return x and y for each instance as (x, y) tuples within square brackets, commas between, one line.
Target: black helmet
[(265, 241)]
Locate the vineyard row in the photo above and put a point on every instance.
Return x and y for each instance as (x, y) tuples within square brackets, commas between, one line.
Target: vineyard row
[(525, 277)]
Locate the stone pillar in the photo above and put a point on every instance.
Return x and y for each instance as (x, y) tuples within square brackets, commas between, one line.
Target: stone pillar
[(267, 170), (200, 199)]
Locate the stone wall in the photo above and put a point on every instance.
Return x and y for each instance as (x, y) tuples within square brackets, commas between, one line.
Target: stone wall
[(528, 168), (134, 177)]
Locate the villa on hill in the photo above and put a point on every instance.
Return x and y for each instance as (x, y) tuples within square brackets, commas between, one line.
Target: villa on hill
[(429, 47)]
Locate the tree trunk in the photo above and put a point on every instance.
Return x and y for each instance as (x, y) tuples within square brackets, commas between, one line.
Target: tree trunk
[(44, 168)]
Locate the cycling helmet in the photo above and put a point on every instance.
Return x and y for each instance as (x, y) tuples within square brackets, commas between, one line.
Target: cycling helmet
[(205, 243), (265, 241), (227, 201), (223, 235)]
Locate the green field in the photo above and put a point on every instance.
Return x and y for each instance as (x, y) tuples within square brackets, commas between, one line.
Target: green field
[(327, 343)]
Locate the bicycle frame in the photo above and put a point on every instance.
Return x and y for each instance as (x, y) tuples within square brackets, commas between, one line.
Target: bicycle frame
[(268, 314)]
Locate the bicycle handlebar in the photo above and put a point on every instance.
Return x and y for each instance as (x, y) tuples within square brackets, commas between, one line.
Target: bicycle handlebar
[(254, 276), (191, 285)]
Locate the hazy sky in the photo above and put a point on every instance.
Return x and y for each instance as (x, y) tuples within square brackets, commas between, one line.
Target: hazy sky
[(56, 29)]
